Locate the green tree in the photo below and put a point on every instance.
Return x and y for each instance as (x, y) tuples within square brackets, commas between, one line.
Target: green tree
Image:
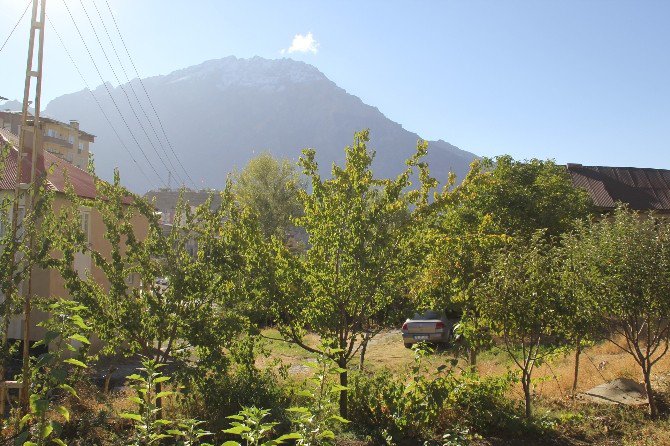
[(213, 263), (163, 294), (270, 187), (24, 244), (356, 265), (521, 303), (581, 317), (499, 199), (625, 264)]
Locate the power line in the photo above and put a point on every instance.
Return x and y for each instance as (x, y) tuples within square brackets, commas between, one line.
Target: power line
[(160, 122), (15, 26), (104, 26), (139, 167), (74, 22), (125, 93)]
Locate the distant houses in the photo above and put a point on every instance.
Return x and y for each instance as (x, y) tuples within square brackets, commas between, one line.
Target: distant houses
[(165, 200)]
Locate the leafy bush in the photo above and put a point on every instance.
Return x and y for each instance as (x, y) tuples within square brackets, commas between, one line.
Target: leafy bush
[(54, 373), (216, 396), (429, 406)]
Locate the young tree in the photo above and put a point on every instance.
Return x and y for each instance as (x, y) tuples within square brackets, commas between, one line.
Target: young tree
[(581, 317), (24, 244), (627, 258), (270, 187), (499, 199), (356, 264), (162, 294), (521, 302)]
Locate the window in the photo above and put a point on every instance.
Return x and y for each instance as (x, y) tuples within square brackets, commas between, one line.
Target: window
[(71, 139), (80, 148), (86, 225), (51, 133)]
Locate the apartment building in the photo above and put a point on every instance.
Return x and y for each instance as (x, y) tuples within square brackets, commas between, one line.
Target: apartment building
[(66, 141), (59, 175)]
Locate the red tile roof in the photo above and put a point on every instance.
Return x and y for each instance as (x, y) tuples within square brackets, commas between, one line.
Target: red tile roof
[(56, 168), (640, 188)]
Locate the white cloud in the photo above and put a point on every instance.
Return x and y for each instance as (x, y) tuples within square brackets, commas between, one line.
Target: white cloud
[(302, 44)]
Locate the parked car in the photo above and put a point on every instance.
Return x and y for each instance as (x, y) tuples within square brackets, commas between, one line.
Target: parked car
[(430, 326)]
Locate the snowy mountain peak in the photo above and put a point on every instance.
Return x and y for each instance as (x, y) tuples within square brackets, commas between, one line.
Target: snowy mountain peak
[(257, 72)]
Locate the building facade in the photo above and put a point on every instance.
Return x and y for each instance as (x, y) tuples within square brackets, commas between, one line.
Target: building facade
[(66, 141), (60, 175)]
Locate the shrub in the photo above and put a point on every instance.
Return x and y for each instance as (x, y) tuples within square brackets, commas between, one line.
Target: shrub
[(216, 396), (430, 406)]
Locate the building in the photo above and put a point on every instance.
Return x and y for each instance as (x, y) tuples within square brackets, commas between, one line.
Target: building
[(642, 189), (165, 200), (48, 282), (65, 141)]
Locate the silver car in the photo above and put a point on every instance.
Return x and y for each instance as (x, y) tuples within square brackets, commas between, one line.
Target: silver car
[(430, 326)]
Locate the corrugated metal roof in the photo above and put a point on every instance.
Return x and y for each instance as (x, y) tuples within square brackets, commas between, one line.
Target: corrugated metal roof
[(640, 188)]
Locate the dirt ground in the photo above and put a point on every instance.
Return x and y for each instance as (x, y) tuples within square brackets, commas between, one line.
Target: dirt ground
[(601, 363)]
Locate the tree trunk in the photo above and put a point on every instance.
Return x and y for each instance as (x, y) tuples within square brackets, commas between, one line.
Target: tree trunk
[(525, 382), (364, 348), (344, 379), (472, 356), (578, 352), (653, 412), (4, 360)]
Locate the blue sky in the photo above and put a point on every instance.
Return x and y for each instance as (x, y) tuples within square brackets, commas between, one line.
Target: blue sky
[(578, 81)]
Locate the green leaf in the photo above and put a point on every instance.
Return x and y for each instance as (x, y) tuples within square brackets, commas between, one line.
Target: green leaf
[(64, 412), (163, 394), (29, 443), (236, 417), (298, 409), (338, 388), (327, 434), (231, 443), (59, 442), (237, 430), (339, 418), (37, 404), (161, 379), (76, 362), (27, 417), (69, 389), (291, 436), (80, 338), (46, 430), (79, 322), (131, 416)]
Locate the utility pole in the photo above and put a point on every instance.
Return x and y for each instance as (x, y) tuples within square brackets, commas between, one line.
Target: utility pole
[(36, 25)]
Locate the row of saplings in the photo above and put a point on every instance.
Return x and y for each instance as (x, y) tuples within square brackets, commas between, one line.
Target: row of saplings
[(368, 241), (609, 276)]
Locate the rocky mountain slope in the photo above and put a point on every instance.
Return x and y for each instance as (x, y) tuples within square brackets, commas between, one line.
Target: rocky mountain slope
[(220, 113)]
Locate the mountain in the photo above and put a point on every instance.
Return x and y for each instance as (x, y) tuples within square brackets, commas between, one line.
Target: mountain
[(220, 113)]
